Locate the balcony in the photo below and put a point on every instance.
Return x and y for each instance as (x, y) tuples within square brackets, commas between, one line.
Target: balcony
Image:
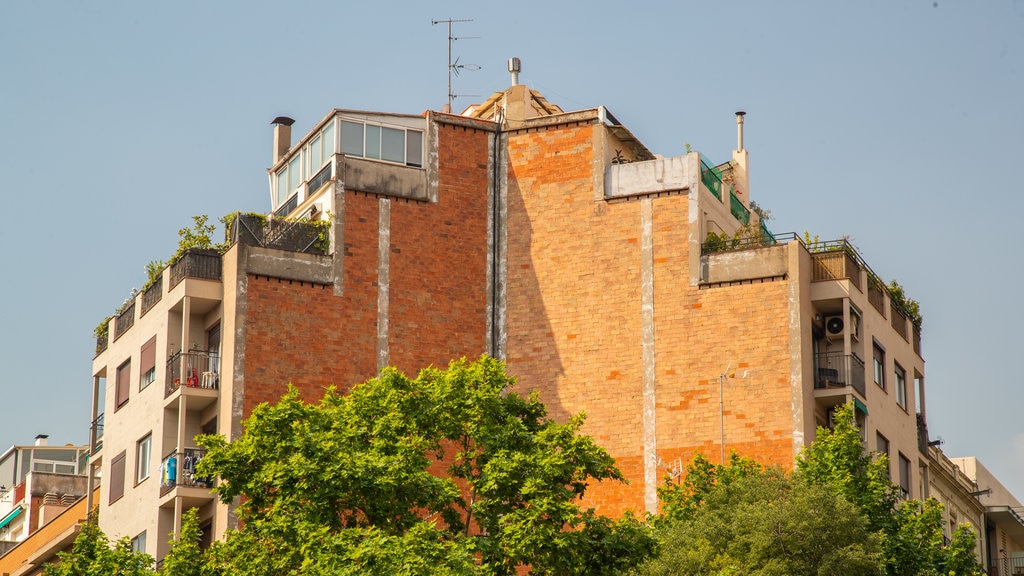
[(711, 177), (97, 425), (837, 371), (203, 264), (898, 319), (309, 237), (738, 210), (178, 478), (836, 260), (153, 294), (124, 320), (922, 435), (193, 373)]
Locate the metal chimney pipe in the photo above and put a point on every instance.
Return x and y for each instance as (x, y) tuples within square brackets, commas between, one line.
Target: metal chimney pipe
[(739, 129), (514, 66)]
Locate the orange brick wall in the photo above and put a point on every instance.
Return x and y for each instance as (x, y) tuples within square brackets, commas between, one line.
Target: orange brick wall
[(438, 295), (301, 333), (575, 323)]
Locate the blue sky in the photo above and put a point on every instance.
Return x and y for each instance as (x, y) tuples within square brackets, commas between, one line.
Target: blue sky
[(895, 123)]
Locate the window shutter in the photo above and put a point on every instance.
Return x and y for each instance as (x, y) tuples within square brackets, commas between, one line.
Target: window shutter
[(148, 360), (116, 477), (123, 376)]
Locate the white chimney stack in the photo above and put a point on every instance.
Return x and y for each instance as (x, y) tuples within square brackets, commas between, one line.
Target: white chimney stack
[(41, 440), (739, 129)]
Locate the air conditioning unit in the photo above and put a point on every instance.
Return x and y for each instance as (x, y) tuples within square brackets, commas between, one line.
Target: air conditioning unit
[(835, 327)]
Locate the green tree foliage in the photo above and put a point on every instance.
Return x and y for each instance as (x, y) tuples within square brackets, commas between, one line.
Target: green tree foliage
[(745, 519), (910, 531), (185, 558), (92, 555), (447, 473), (838, 513)]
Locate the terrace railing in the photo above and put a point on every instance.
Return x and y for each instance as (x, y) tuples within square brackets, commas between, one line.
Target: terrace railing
[(837, 370), (196, 263), (124, 320), (291, 235), (153, 294), (179, 469), (711, 177), (193, 369)]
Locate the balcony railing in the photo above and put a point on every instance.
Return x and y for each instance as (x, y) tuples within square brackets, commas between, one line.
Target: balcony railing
[(179, 469), (739, 211), (876, 295), (711, 177), (899, 321), (153, 294), (835, 260), (98, 426), (205, 264), (922, 434), (837, 370), (124, 320), (278, 233), (193, 369), (103, 339), (917, 339)]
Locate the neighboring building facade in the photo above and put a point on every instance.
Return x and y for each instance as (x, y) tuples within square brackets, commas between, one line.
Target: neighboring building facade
[(554, 240), (37, 483), (29, 557), (1003, 530)]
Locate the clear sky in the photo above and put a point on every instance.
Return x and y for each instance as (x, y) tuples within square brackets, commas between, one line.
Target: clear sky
[(895, 123)]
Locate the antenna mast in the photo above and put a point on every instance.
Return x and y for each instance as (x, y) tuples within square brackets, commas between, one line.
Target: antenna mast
[(454, 67)]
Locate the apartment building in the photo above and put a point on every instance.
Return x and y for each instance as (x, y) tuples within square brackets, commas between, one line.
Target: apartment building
[(37, 483), (555, 240), (1003, 520)]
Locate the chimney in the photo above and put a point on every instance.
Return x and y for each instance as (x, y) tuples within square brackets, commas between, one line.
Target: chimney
[(282, 136), (739, 130), (41, 440), (514, 66)]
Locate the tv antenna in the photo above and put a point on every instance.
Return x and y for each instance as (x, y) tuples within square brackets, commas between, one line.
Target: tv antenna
[(454, 67)]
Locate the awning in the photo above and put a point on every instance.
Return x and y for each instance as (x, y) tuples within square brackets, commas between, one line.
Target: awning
[(860, 406), (1008, 519), (11, 516)]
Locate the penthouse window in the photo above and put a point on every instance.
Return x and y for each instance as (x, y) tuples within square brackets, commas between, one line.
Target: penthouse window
[(390, 144)]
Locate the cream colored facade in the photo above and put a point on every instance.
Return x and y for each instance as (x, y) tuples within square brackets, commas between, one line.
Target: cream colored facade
[(1004, 520)]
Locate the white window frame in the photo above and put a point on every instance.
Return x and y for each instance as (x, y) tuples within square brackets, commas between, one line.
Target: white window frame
[(383, 126), (143, 456), (900, 383)]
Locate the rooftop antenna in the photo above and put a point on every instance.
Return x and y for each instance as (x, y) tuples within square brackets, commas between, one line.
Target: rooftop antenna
[(455, 67)]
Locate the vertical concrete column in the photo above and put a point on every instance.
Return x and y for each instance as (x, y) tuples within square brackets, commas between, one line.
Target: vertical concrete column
[(647, 354), (497, 242), (383, 282)]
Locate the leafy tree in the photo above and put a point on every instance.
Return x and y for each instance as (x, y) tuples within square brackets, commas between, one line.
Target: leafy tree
[(185, 558), (92, 555), (744, 519), (910, 531), (447, 473)]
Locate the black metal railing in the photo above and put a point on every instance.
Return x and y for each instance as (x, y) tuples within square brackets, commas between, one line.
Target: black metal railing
[(922, 434), (193, 369), (196, 263), (179, 469), (838, 370), (103, 338), (898, 319), (153, 294), (278, 233), (286, 208), (97, 425), (124, 320), (322, 177)]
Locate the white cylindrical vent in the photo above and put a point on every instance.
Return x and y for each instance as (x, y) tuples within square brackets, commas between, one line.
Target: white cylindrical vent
[(739, 130), (514, 66)]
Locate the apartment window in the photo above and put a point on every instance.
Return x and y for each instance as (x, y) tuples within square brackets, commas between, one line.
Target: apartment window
[(122, 383), (116, 478), (147, 363), (143, 451), (904, 476), (879, 358), (882, 445), (918, 392), (139, 543), (320, 149), (901, 386), (398, 145)]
